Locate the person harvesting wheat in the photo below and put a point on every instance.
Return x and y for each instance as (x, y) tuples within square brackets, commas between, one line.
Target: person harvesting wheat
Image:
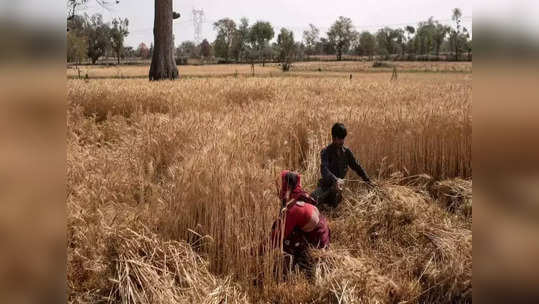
[(300, 225), (334, 162)]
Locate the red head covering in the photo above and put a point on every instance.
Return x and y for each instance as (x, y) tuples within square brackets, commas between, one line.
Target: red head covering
[(291, 181)]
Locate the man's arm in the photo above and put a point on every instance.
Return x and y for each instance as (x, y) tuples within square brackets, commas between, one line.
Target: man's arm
[(352, 163), (326, 174)]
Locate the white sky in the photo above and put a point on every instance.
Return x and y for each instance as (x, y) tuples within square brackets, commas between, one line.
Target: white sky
[(295, 15)]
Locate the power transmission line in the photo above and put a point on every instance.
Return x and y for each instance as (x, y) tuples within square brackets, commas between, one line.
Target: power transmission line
[(198, 19)]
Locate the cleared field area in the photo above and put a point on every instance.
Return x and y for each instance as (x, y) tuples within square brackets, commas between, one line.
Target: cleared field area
[(314, 69), (171, 191), (362, 66), (185, 70)]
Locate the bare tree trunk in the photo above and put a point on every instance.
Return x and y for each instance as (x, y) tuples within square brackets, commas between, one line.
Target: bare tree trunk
[(163, 64)]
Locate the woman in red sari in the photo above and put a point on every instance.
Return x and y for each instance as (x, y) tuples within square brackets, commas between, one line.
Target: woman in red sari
[(304, 226)]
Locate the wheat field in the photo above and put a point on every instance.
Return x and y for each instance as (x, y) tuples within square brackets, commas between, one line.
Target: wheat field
[(171, 189)]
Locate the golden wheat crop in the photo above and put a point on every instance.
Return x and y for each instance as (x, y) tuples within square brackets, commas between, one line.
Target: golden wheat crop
[(171, 195)]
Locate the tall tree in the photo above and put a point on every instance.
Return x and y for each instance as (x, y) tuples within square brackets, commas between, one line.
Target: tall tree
[(205, 49), (117, 34), (424, 37), (456, 35), (310, 37), (327, 47), (367, 44), (439, 33), (400, 39), (163, 64), (286, 44), (387, 40), (187, 49), (239, 43), (77, 47), (77, 24), (259, 35), (341, 34), (77, 39), (226, 31), (98, 34), (409, 32), (299, 51)]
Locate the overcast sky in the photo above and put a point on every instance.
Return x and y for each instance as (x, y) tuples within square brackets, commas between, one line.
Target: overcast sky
[(295, 15)]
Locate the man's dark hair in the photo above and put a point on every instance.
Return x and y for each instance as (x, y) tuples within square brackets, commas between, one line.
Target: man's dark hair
[(338, 131)]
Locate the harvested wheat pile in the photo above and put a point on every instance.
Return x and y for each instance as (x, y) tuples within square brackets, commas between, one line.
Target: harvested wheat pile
[(153, 271), (455, 195), (141, 268), (343, 278), (411, 240)]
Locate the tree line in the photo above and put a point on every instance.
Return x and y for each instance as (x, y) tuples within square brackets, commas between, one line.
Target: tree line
[(92, 38), (243, 42)]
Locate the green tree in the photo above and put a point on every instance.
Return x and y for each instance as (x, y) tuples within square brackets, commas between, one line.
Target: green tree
[(241, 38), (299, 50), (98, 34), (400, 39), (409, 32), (226, 32), (117, 34), (367, 44), (459, 36), (469, 49), (205, 49), (326, 46), (187, 49), (77, 24), (439, 33), (77, 47), (340, 35), (424, 38), (259, 35), (310, 37), (129, 52), (387, 40), (287, 45)]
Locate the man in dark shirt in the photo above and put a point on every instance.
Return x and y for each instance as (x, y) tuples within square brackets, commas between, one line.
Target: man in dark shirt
[(335, 160)]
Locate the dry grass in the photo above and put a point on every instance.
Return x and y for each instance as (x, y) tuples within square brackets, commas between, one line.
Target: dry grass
[(332, 68), (173, 182), (367, 66), (187, 70)]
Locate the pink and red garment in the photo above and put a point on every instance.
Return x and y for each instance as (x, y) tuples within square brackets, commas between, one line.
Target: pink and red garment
[(302, 217)]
